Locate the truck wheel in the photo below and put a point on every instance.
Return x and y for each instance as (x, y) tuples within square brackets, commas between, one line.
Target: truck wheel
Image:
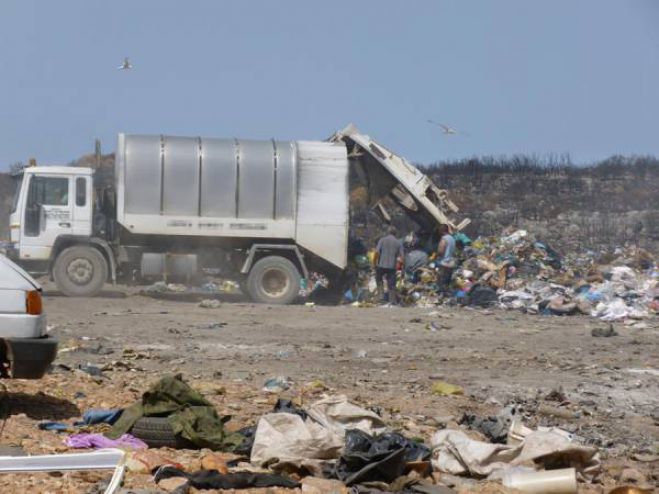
[(80, 271), (273, 280)]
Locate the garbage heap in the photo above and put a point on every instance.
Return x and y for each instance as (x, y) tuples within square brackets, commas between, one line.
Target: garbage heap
[(516, 271)]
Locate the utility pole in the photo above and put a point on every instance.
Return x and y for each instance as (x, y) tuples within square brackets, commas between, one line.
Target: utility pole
[(97, 153)]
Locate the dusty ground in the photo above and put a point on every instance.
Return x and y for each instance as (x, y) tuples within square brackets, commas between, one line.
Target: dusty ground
[(382, 357)]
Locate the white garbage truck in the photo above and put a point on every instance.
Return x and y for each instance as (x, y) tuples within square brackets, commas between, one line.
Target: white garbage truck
[(265, 213)]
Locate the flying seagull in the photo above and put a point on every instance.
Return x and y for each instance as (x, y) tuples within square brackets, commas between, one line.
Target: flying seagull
[(126, 65), (446, 130)]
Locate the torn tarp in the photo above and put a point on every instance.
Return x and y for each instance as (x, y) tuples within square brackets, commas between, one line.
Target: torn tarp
[(456, 453)]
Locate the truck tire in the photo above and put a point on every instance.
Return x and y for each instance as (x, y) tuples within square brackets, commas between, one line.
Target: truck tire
[(157, 432), (273, 280), (80, 271)]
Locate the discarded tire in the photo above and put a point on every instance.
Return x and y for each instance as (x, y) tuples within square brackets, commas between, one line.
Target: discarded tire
[(157, 432)]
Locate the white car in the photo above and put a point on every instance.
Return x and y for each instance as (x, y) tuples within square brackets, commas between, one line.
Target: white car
[(26, 350)]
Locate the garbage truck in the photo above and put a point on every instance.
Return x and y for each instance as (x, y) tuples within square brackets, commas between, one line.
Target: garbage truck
[(262, 212)]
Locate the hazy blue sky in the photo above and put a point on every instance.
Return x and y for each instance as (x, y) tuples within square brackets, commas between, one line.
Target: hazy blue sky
[(519, 76)]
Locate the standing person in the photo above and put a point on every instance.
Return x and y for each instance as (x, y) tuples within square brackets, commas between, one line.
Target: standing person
[(389, 251), (446, 259)]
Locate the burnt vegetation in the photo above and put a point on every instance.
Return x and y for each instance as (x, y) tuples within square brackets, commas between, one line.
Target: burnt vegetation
[(601, 205)]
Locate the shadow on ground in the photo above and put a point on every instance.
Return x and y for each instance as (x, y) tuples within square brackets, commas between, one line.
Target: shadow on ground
[(39, 406), (113, 294)]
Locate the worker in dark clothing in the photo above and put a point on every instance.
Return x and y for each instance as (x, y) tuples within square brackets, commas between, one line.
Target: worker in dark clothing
[(389, 251)]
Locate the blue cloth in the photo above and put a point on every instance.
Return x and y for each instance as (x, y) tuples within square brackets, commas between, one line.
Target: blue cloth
[(350, 297), (54, 426), (100, 416)]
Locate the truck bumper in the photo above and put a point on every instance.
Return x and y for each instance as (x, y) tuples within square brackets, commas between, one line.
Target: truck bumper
[(29, 358)]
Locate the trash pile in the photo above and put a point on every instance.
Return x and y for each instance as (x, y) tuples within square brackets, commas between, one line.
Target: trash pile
[(330, 445), (517, 272)]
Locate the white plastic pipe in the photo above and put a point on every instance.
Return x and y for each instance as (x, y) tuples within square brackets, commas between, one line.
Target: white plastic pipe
[(562, 481), (103, 459)]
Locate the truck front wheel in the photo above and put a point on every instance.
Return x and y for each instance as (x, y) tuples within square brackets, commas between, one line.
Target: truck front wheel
[(80, 271), (273, 280)]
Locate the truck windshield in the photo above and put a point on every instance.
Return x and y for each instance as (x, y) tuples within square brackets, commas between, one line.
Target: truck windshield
[(17, 181)]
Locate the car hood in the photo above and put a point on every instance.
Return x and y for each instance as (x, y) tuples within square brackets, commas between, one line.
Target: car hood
[(13, 277)]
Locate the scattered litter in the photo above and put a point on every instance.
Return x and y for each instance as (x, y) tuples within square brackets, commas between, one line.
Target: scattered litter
[(441, 388), (604, 332), (148, 460), (210, 303), (495, 428), (90, 369), (277, 384)]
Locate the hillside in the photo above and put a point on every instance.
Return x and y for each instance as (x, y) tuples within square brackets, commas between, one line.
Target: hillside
[(604, 205)]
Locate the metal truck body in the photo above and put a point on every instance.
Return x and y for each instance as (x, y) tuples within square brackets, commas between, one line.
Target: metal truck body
[(283, 191), (263, 211)]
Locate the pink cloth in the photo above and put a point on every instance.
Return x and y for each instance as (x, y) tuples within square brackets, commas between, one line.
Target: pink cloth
[(86, 440)]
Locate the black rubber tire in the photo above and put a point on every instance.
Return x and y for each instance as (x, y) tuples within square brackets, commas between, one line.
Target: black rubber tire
[(157, 432), (261, 291), (91, 257)]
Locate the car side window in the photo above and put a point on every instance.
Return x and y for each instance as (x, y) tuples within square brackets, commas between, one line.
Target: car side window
[(49, 191)]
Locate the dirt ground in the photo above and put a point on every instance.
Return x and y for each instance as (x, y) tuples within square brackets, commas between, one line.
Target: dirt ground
[(382, 357)]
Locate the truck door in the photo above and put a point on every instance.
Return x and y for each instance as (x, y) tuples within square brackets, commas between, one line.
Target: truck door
[(82, 206), (48, 215)]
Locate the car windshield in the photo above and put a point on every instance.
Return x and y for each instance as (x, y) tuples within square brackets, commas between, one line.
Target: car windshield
[(18, 180)]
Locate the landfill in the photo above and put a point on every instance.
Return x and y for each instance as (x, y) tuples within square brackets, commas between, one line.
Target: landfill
[(516, 271)]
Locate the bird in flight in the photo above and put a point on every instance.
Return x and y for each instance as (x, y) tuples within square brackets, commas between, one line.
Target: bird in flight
[(446, 130), (126, 65)]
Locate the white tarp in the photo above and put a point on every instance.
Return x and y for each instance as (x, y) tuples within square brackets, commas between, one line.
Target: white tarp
[(456, 453)]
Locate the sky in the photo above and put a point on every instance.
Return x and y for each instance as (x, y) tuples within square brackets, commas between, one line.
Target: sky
[(517, 76)]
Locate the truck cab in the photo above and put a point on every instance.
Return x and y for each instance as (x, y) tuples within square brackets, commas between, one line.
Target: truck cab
[(50, 203)]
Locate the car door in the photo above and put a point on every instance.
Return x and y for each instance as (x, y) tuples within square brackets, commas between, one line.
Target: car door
[(48, 214)]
